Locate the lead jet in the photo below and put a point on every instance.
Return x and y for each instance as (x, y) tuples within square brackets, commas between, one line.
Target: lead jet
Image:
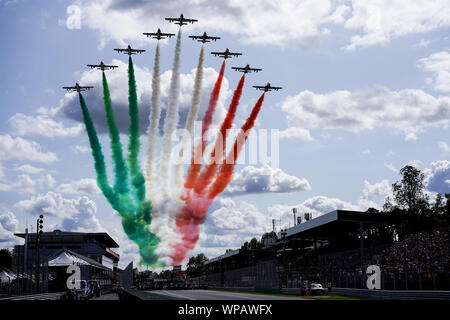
[(129, 51), (158, 34), (181, 20), (246, 69), (204, 38), (101, 66), (267, 87), (77, 88), (226, 54)]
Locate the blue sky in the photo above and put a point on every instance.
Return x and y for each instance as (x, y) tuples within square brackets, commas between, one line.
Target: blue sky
[(365, 91)]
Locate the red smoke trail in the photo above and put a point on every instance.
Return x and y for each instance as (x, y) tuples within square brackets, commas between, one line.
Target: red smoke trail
[(193, 213), (206, 177), (226, 169), (196, 164)]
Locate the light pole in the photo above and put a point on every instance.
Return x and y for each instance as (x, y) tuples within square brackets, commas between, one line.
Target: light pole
[(39, 227)]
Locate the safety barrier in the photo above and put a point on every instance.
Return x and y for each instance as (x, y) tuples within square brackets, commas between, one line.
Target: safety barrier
[(392, 294)]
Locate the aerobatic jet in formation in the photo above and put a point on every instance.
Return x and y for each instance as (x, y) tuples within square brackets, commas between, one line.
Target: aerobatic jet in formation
[(181, 20), (158, 34), (129, 51), (246, 69), (101, 66), (267, 87), (77, 88), (204, 38), (226, 54)]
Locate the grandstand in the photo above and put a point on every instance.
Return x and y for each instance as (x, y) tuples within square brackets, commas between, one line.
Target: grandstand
[(337, 247)]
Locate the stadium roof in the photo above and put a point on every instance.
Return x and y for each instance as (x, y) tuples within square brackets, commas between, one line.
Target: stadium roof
[(338, 221), (64, 236)]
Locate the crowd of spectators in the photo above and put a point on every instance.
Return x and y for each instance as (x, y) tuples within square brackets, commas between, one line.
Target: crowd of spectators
[(421, 252)]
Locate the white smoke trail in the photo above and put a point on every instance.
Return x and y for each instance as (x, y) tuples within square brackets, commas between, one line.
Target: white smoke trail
[(152, 176), (177, 174), (171, 121)]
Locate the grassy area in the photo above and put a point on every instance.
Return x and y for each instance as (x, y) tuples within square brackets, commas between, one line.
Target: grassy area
[(325, 297)]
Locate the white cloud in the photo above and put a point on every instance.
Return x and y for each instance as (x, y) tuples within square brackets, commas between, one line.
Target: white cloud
[(437, 177), (264, 179), (83, 186), (263, 22), (81, 149), (439, 65), (22, 184), (77, 214), (423, 43), (41, 125), (381, 21), (284, 22), (8, 225), (296, 133), (409, 110), (21, 149), (118, 85), (391, 167), (28, 169), (365, 151), (444, 146)]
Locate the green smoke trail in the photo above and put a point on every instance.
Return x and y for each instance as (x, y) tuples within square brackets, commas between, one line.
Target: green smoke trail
[(99, 159), (121, 174), (137, 177), (136, 217)]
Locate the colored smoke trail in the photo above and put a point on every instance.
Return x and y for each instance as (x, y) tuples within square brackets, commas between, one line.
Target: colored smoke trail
[(226, 169), (97, 154), (192, 115), (136, 175), (171, 121), (151, 176), (135, 214), (199, 149), (121, 172), (194, 212), (206, 177)]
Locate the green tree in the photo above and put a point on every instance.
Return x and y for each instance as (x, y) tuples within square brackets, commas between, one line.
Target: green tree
[(409, 193), (196, 265), (6, 258)]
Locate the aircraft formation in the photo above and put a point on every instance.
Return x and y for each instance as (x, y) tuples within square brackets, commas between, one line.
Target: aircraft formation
[(161, 35)]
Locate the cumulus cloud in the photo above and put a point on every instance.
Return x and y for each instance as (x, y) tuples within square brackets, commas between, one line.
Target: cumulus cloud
[(379, 22), (118, 85), (28, 169), (439, 65), (409, 110), (264, 179), (21, 149), (8, 225), (77, 214), (296, 133), (43, 125), (25, 184), (437, 178), (81, 149), (266, 22), (82, 186), (229, 225)]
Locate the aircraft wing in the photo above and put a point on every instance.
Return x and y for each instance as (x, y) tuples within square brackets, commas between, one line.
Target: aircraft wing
[(195, 37), (259, 87), (91, 66), (235, 54), (190, 20), (69, 88), (213, 38), (218, 53), (238, 68), (137, 50), (172, 19), (276, 88), (120, 50)]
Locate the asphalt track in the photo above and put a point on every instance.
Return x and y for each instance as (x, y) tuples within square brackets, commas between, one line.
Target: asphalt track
[(217, 295)]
